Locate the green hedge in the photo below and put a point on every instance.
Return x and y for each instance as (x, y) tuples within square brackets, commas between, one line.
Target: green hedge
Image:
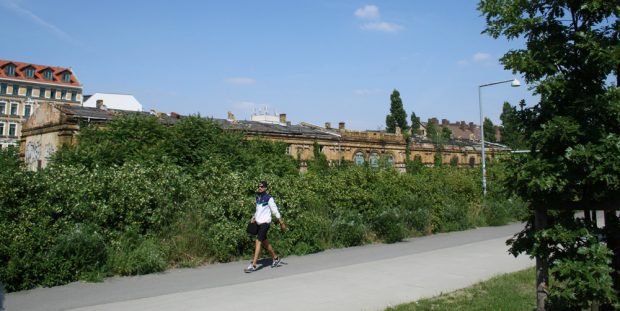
[(89, 220)]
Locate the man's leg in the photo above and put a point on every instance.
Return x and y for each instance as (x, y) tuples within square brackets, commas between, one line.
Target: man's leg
[(256, 252), (269, 249)]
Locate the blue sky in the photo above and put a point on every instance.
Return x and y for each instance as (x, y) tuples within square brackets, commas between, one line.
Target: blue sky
[(315, 60)]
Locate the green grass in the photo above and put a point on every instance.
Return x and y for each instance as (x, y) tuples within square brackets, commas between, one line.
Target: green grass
[(507, 292)]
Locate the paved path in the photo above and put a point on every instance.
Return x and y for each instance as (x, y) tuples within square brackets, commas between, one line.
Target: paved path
[(370, 277)]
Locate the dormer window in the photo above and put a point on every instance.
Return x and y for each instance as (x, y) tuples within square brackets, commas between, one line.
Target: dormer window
[(47, 74), (66, 77), (9, 70), (29, 72)]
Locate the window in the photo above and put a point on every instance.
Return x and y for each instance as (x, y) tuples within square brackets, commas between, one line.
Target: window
[(29, 91), (13, 109), (29, 72), (2, 108), (12, 130), (1, 128), (47, 74), (27, 110), (74, 98), (472, 162), (374, 160), (389, 159), (63, 94), (15, 89), (9, 70), (53, 94), (358, 158), (3, 88), (42, 92), (66, 77)]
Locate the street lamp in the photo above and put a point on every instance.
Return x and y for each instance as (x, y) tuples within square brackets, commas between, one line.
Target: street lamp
[(514, 83)]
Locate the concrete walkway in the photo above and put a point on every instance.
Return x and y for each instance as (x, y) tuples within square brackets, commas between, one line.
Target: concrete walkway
[(370, 277)]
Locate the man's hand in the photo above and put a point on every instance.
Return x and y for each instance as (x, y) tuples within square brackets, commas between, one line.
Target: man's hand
[(282, 225)]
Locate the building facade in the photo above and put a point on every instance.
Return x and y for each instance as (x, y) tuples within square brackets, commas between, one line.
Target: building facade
[(24, 86), (54, 125)]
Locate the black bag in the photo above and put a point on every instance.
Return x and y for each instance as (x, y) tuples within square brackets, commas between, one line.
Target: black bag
[(252, 228)]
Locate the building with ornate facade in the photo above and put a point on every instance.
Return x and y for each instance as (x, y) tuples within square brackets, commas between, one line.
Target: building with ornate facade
[(23, 86), (53, 125)]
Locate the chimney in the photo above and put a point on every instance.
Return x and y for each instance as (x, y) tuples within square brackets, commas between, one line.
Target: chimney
[(472, 126), (283, 118), (398, 131), (231, 116), (174, 115), (341, 125), (328, 125), (462, 125), (99, 103), (445, 122)]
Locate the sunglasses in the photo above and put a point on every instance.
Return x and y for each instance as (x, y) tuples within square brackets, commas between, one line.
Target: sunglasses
[(261, 187)]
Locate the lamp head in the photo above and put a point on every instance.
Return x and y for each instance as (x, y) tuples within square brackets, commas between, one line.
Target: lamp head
[(515, 83)]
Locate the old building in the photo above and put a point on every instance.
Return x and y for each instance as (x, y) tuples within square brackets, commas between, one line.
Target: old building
[(53, 125), (23, 86)]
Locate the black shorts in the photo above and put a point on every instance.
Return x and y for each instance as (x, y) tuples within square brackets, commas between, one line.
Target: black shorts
[(262, 232)]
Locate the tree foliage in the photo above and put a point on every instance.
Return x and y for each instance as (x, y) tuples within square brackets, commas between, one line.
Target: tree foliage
[(511, 128), (572, 52), (415, 123), (397, 116), (489, 130)]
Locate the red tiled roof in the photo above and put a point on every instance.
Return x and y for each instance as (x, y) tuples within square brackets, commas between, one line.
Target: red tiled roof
[(20, 73)]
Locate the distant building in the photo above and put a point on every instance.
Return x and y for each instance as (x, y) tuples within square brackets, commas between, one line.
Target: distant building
[(113, 101), (23, 86)]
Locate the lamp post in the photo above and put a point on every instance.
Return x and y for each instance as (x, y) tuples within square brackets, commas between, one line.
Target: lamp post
[(514, 83)]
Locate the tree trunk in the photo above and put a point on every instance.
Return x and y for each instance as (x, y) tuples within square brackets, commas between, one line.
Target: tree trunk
[(542, 265)]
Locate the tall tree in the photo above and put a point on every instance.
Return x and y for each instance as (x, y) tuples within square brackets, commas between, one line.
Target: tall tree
[(397, 116), (489, 130), (512, 136), (415, 123), (572, 52)]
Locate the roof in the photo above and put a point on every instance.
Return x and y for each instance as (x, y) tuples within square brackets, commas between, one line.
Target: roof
[(113, 101), (276, 129), (20, 73), (89, 112)]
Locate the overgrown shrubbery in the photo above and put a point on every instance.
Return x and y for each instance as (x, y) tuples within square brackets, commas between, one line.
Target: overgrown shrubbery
[(125, 204)]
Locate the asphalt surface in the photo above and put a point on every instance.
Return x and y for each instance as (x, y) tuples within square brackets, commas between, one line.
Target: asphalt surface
[(370, 277)]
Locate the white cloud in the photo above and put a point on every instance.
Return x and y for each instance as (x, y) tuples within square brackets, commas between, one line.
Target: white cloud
[(463, 62), (240, 81), (368, 12), (382, 26), (479, 57), (15, 7)]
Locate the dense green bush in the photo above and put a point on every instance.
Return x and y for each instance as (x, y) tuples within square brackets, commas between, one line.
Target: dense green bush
[(111, 205), (134, 254)]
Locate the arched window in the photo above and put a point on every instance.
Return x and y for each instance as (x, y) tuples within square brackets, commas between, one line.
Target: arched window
[(389, 160), (472, 162), (454, 161), (358, 158), (374, 159)]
